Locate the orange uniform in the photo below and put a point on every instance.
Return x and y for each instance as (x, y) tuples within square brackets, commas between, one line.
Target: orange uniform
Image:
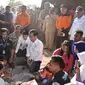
[(23, 19), (63, 22)]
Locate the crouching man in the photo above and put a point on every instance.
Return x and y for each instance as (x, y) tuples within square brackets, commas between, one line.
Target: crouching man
[(34, 51)]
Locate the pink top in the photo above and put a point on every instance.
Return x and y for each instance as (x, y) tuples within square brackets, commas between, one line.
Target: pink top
[(68, 62)]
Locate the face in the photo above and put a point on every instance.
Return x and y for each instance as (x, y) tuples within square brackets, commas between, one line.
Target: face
[(4, 35), (77, 37), (46, 6), (32, 38), (23, 10), (63, 10), (18, 30), (65, 48), (79, 14), (25, 37), (53, 67), (8, 9)]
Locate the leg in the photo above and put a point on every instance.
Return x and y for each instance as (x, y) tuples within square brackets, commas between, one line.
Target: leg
[(35, 66), (51, 40), (46, 39)]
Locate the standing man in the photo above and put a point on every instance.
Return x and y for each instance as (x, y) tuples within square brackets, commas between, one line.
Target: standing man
[(6, 46), (42, 16), (9, 19), (49, 28), (78, 23), (23, 18), (63, 23), (34, 51), (15, 35)]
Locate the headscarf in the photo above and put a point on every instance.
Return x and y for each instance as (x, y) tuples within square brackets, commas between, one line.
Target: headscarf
[(82, 68), (80, 46)]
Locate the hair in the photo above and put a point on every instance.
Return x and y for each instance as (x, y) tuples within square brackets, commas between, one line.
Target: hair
[(23, 7), (58, 60), (8, 7), (79, 32), (24, 32), (1, 66), (68, 44), (17, 26), (35, 33)]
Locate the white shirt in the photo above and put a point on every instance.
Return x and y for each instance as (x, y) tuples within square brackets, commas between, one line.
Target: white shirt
[(22, 44), (35, 50), (78, 24)]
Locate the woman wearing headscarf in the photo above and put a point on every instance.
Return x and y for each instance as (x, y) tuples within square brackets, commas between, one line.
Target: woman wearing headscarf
[(79, 49)]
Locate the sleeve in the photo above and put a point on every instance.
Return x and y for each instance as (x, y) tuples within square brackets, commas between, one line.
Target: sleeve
[(57, 22), (83, 30), (17, 19), (29, 20), (69, 21), (28, 47), (18, 45)]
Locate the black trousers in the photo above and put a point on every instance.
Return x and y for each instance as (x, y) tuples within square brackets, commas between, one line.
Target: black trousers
[(34, 66)]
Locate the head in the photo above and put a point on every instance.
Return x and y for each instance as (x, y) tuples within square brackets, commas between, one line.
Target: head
[(63, 9), (8, 9), (14, 9), (78, 36), (1, 69), (4, 33), (24, 34), (56, 64), (51, 11), (23, 9), (33, 35), (18, 29), (46, 5), (79, 11), (66, 48)]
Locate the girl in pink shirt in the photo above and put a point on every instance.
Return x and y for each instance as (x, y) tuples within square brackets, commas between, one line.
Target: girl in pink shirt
[(65, 52)]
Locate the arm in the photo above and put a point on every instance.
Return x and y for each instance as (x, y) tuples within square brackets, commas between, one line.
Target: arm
[(18, 45)]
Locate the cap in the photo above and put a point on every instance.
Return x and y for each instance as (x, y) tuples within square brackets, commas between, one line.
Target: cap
[(63, 6), (79, 9), (4, 29)]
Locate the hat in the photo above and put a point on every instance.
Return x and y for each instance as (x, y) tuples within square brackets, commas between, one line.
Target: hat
[(79, 9), (4, 29), (63, 6), (80, 46)]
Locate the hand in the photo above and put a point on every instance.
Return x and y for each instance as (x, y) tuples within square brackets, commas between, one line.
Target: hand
[(77, 70)]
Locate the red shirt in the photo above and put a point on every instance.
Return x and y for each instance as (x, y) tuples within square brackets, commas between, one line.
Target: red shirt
[(68, 62)]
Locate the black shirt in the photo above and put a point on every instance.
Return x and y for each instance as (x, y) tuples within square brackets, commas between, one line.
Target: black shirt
[(61, 78), (5, 48)]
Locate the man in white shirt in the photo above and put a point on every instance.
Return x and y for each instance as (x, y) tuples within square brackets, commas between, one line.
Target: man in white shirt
[(78, 23), (34, 51)]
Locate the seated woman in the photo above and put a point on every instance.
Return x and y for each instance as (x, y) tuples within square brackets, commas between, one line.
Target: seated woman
[(65, 52), (80, 70)]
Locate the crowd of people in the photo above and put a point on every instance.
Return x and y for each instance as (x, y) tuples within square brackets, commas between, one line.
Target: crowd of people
[(24, 37)]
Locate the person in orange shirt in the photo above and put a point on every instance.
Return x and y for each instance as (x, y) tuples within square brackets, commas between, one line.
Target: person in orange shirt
[(23, 18), (63, 23)]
